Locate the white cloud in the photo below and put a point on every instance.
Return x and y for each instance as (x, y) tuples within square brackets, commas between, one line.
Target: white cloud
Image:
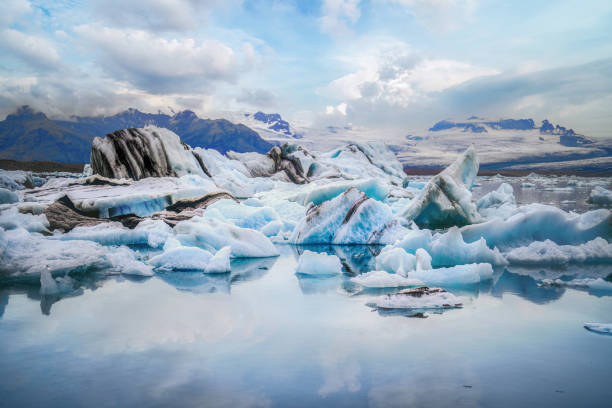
[(10, 10), (175, 15), (159, 64), (442, 15), (35, 50), (338, 14)]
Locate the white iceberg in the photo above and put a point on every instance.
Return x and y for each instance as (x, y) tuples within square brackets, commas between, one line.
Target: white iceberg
[(537, 222), (220, 262), (395, 260), (549, 253), (313, 263), (456, 275), (498, 203), (383, 279), (181, 258), (449, 249), (212, 235)]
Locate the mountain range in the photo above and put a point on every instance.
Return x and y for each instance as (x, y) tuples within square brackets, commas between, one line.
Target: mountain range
[(30, 135)]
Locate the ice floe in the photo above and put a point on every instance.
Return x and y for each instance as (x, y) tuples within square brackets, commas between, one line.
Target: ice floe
[(313, 263), (181, 258), (418, 298)]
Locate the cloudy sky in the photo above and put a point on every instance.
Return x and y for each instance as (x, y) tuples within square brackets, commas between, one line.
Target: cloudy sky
[(393, 65)]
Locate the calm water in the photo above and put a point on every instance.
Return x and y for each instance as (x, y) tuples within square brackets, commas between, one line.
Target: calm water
[(261, 336)]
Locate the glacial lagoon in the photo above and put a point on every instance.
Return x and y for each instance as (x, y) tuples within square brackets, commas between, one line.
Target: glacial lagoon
[(264, 336)]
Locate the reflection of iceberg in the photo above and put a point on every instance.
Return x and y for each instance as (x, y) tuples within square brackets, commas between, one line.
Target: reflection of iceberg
[(525, 287), (310, 285), (197, 282)]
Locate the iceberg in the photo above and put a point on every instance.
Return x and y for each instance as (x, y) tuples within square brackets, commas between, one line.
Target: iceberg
[(312, 263), (423, 260), (395, 260), (449, 249), (220, 262), (600, 328), (537, 222), (600, 196), (418, 298), (456, 275), (549, 253), (383, 279), (179, 257), (498, 203), (446, 200), (213, 234), (350, 218)]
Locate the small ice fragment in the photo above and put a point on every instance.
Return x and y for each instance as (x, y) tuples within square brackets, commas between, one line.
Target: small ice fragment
[(312, 263)]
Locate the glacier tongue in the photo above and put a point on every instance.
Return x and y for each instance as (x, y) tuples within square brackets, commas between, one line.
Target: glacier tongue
[(446, 200)]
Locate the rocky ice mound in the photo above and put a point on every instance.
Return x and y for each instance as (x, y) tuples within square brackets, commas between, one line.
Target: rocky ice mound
[(312, 263), (140, 153), (446, 200), (418, 298)]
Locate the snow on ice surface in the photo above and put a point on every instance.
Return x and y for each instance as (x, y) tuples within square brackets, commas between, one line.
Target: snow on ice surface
[(419, 298), (601, 196), (600, 328), (447, 200), (538, 222), (455, 275), (148, 232), (212, 235), (547, 252), (313, 263), (383, 279)]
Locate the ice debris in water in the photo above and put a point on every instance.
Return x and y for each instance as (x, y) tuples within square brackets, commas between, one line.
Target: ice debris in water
[(418, 298), (601, 196), (600, 328), (538, 222), (7, 196), (383, 279), (220, 262), (447, 200), (313, 263), (549, 253)]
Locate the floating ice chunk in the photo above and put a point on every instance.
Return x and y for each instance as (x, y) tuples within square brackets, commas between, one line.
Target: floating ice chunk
[(549, 253), (583, 283), (537, 222), (220, 262), (423, 260), (395, 260), (418, 298), (601, 328), (601, 196), (181, 258), (449, 249), (8, 197), (373, 188), (313, 263), (124, 261), (350, 218), (382, 279), (498, 203), (25, 255), (456, 275), (148, 232), (212, 235)]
